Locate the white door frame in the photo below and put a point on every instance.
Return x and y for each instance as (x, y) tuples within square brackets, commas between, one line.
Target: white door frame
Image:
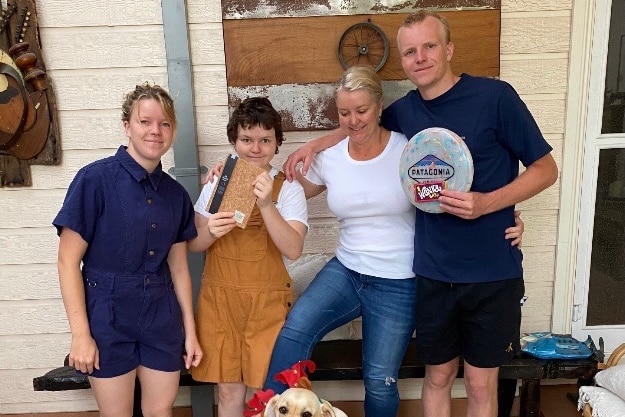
[(590, 26)]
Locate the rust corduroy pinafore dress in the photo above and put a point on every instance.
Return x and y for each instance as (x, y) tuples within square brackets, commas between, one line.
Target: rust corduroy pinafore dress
[(244, 300)]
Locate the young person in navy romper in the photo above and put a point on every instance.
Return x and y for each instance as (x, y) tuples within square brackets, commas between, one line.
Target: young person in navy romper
[(122, 265)]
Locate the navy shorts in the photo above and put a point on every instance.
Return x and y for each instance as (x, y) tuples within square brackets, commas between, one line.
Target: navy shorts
[(480, 322), (134, 320)]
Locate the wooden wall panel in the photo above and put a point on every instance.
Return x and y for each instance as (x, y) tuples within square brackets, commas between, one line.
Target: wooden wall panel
[(294, 62), (304, 50), (246, 9)]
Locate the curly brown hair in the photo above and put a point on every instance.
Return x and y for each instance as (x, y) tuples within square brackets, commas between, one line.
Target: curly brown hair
[(255, 111)]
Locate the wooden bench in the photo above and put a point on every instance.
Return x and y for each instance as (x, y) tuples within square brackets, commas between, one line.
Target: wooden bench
[(340, 360)]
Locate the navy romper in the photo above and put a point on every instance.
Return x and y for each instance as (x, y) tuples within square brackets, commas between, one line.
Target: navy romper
[(130, 219)]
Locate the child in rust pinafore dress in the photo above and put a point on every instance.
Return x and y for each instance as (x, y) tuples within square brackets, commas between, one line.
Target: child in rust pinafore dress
[(246, 290)]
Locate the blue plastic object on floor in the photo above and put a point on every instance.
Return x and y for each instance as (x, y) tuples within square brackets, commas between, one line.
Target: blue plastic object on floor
[(553, 346)]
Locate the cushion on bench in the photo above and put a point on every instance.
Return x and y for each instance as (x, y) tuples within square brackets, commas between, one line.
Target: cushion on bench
[(607, 399), (603, 402)]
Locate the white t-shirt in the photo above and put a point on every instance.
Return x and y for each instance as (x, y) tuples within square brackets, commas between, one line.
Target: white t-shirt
[(291, 200), (376, 220)]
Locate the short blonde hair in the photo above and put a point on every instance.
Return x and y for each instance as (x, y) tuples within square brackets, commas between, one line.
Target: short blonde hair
[(361, 77), (418, 17)]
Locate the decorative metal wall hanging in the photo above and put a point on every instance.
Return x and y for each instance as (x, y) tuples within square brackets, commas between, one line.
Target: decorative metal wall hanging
[(363, 44), (28, 124)]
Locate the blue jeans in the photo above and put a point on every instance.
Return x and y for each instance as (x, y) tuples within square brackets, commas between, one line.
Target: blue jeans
[(337, 296)]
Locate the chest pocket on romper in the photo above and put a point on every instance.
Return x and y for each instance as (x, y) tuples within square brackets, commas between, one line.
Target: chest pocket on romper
[(249, 244)]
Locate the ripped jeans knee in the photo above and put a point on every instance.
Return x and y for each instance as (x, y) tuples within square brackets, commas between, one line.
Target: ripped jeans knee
[(381, 396)]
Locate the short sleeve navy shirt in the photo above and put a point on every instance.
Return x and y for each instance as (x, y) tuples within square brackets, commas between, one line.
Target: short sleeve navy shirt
[(500, 132), (129, 218)]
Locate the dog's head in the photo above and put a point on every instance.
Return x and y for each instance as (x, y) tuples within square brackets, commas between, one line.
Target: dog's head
[(299, 402)]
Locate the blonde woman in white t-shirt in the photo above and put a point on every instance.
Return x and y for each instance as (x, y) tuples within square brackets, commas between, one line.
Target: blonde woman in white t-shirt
[(371, 275)]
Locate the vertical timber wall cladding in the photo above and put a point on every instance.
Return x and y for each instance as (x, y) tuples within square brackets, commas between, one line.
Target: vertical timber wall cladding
[(288, 51)]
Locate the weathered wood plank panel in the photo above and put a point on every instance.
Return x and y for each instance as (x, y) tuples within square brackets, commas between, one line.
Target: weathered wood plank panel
[(312, 106), (239, 9), (104, 47), (302, 106), (308, 53)]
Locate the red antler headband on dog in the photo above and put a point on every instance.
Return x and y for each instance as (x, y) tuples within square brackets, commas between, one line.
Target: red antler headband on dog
[(291, 377), (258, 402)]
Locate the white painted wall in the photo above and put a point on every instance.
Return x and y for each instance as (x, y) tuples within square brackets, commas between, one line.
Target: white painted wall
[(96, 50)]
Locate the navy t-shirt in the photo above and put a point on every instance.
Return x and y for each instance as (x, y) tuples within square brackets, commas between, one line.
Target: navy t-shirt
[(499, 131), (129, 218)]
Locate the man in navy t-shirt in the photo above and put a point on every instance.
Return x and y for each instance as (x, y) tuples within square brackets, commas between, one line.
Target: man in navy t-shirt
[(469, 277)]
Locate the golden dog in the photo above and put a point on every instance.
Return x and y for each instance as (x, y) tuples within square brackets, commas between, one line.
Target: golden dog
[(300, 402)]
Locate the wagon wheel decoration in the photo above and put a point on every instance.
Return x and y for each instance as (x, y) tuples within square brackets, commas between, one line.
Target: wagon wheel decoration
[(363, 43)]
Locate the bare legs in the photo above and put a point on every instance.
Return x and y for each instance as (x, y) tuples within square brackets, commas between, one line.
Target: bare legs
[(115, 396), (480, 384), (231, 399)]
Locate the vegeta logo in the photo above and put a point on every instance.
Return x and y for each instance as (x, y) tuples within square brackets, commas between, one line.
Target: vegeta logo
[(430, 169)]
